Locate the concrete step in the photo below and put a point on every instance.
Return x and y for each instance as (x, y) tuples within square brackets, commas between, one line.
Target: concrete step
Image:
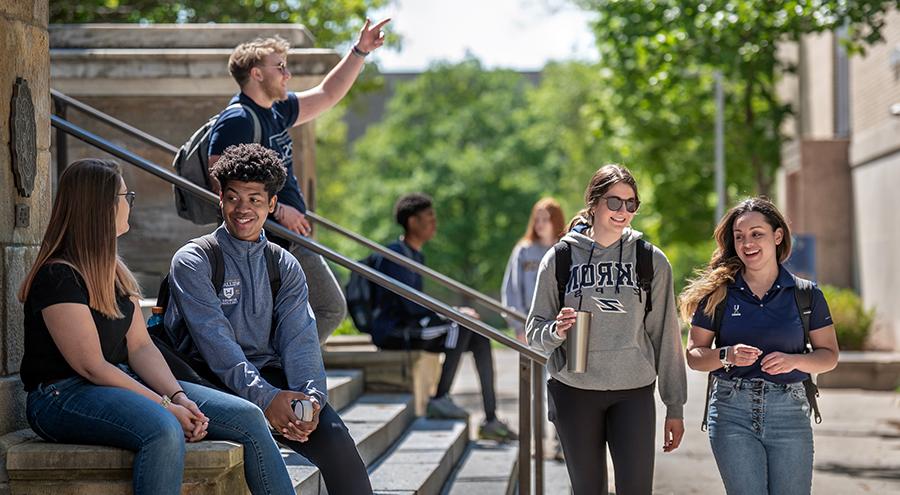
[(423, 459), (375, 422), (487, 468), (344, 387)]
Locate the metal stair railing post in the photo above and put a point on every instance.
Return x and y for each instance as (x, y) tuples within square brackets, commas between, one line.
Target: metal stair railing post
[(528, 357)]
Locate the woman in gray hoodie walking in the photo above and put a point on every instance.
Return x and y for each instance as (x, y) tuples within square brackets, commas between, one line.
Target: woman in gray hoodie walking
[(611, 402)]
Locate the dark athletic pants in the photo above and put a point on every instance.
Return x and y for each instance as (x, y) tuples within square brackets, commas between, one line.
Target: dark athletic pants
[(330, 447), (588, 420), (479, 346)]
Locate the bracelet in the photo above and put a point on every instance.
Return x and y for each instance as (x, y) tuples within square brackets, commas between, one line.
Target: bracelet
[(172, 397), (165, 401), (359, 53)]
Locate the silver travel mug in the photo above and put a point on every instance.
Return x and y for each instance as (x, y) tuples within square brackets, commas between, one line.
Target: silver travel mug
[(577, 343)]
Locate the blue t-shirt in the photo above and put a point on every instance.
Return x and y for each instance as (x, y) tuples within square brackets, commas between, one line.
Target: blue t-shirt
[(771, 324), (235, 126)]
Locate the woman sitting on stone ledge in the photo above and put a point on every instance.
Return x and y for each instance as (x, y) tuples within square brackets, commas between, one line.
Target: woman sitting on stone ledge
[(93, 375)]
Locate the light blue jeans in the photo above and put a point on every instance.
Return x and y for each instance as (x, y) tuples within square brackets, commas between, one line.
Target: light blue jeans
[(75, 410), (761, 437)]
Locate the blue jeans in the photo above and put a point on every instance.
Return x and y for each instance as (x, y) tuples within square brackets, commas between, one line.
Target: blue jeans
[(75, 410), (761, 437)]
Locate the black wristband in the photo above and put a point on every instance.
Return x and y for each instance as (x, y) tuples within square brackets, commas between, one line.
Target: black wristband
[(358, 52), (172, 397)]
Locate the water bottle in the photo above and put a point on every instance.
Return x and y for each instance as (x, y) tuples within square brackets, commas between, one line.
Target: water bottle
[(156, 316)]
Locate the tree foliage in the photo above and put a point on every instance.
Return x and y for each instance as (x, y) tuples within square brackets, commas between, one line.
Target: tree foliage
[(331, 22), (661, 53)]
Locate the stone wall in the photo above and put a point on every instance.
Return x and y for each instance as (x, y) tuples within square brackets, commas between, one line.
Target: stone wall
[(24, 42)]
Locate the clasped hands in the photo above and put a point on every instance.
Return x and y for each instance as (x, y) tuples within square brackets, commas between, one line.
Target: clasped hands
[(774, 363)]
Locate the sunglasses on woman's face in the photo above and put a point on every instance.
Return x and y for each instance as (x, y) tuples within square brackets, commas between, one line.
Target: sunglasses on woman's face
[(614, 203), (129, 197)]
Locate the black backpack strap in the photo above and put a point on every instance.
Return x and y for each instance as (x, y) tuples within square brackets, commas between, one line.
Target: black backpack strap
[(210, 246), (718, 314), (273, 254), (803, 295), (563, 252), (645, 272)]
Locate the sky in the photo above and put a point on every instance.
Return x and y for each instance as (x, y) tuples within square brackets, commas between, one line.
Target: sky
[(515, 34)]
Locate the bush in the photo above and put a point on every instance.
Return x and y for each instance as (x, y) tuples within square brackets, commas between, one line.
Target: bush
[(851, 319), (346, 328)]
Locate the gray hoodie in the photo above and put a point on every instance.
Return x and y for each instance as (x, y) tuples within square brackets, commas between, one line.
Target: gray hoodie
[(625, 350), (520, 279)]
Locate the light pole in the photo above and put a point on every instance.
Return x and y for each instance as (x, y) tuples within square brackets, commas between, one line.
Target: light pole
[(720, 147)]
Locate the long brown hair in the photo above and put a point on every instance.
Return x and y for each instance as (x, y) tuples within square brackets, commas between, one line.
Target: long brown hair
[(604, 178), (557, 219), (712, 281), (82, 234)]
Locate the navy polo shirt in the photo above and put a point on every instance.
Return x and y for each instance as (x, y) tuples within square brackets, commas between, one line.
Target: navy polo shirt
[(771, 324)]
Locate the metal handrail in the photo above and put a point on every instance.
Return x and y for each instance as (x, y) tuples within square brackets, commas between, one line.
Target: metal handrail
[(389, 283), (401, 260)]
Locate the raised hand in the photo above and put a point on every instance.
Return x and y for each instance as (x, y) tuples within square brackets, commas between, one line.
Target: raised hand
[(371, 37)]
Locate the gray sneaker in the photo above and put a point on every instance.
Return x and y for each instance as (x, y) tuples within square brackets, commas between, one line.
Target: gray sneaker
[(444, 408), (496, 430)]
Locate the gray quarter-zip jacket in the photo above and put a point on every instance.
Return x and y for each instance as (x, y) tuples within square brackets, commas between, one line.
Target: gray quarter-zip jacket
[(232, 331), (625, 351)]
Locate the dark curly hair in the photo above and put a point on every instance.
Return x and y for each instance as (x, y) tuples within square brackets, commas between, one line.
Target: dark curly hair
[(250, 163), (410, 205)]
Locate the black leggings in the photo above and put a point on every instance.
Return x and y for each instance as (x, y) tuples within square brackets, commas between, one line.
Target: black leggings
[(479, 346), (588, 420), (330, 447)]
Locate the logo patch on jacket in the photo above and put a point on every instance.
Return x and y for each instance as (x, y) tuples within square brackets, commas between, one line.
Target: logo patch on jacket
[(609, 305), (231, 291)]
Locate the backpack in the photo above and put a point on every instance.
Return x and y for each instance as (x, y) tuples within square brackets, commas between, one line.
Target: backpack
[(360, 293), (360, 296), (563, 253), (192, 163), (210, 246), (803, 295)]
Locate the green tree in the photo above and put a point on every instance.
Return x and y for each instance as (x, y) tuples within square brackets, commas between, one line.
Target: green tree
[(457, 132), (661, 53), (331, 22)]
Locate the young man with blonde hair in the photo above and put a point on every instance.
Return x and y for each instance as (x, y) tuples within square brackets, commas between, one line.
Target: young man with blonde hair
[(263, 111)]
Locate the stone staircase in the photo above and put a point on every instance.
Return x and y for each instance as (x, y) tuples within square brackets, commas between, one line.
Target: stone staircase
[(405, 454)]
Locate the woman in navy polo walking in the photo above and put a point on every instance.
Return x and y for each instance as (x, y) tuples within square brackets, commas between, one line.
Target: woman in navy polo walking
[(759, 425)]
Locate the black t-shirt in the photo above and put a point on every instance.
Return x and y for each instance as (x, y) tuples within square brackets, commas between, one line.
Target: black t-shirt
[(57, 283)]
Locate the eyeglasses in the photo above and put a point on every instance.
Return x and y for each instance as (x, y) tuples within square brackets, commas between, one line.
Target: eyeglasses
[(614, 203), (129, 197), (282, 67)]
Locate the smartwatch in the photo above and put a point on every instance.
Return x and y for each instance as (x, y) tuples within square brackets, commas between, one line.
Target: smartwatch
[(723, 358)]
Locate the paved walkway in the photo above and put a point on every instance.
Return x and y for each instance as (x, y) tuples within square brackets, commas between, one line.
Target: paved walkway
[(857, 444)]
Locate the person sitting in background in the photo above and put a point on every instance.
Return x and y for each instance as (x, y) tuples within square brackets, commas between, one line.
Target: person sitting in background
[(403, 324)]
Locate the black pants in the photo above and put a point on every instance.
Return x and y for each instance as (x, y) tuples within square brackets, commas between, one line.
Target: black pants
[(588, 420), (330, 447), (479, 346)]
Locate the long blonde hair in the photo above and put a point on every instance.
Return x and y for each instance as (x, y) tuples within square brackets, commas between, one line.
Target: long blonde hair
[(603, 179), (82, 234), (712, 281), (557, 219)]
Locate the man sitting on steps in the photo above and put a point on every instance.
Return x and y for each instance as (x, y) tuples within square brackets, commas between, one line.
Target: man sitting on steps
[(403, 324), (238, 337)]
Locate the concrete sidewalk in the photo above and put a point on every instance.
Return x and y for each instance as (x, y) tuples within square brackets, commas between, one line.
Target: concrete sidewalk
[(857, 445)]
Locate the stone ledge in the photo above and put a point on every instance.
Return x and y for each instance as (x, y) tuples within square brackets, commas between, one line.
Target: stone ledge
[(38, 467), (173, 35), (865, 370), (415, 372)]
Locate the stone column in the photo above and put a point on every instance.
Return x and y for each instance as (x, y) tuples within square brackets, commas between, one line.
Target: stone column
[(25, 196)]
